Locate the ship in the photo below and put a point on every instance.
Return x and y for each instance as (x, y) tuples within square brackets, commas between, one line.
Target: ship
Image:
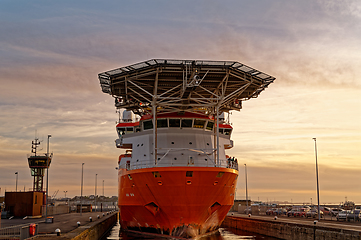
[(174, 176)]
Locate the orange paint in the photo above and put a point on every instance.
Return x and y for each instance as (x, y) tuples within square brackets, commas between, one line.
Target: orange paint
[(176, 200)]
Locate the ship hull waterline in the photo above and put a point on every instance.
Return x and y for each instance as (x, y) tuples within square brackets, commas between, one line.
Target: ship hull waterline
[(176, 201)]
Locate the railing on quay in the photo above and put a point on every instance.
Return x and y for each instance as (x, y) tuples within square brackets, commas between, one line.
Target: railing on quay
[(17, 232)]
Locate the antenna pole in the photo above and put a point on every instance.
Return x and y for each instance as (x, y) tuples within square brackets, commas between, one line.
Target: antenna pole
[(47, 178)]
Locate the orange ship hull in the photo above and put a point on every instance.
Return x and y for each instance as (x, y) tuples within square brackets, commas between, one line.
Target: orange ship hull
[(177, 201)]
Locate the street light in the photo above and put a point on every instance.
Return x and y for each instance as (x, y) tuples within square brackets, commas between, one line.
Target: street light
[(245, 169), (102, 198), (68, 201), (16, 182), (318, 191), (47, 178), (81, 191), (96, 175)]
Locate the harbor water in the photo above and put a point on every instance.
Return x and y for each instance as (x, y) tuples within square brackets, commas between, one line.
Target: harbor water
[(222, 234)]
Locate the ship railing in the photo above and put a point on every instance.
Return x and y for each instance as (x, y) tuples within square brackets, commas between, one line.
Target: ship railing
[(141, 164)]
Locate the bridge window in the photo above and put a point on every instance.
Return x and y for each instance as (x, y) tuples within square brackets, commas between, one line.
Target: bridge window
[(187, 123), (210, 125), (162, 123), (227, 131), (199, 123), (124, 130), (147, 124), (221, 130), (174, 123), (121, 131)]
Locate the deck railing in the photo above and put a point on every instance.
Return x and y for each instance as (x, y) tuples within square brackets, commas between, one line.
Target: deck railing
[(178, 163)]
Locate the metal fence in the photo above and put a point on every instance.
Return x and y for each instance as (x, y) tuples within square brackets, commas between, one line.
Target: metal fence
[(17, 232)]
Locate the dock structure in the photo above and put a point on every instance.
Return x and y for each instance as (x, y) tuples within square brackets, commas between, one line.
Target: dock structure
[(91, 226), (294, 228)]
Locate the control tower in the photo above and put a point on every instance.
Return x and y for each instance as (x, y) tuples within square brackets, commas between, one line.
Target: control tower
[(37, 165)]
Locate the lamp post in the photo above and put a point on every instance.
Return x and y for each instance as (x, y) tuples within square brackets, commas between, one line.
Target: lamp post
[(81, 190), (103, 198), (245, 169), (16, 182), (318, 190), (96, 176), (67, 199), (47, 178)]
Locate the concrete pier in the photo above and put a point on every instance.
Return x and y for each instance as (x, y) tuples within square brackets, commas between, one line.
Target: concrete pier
[(72, 226), (293, 228)]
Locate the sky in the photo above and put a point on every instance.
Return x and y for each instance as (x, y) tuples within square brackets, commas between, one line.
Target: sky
[(52, 51)]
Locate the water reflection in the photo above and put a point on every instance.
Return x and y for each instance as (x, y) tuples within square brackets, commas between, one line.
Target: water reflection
[(223, 234)]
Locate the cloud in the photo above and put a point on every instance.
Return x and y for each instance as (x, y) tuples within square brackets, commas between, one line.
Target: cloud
[(51, 57), (283, 182)]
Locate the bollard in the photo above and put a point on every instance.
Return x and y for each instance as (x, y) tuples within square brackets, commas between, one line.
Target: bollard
[(98, 216), (90, 219), (57, 231), (78, 223), (275, 217), (249, 215), (103, 214)]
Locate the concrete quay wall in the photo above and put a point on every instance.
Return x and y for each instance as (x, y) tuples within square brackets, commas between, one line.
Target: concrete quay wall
[(292, 231), (93, 232)]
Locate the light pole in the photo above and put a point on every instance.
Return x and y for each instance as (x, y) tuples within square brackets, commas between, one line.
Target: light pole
[(16, 182), (245, 169), (81, 190), (103, 196), (47, 178), (66, 199), (318, 190), (96, 176)]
